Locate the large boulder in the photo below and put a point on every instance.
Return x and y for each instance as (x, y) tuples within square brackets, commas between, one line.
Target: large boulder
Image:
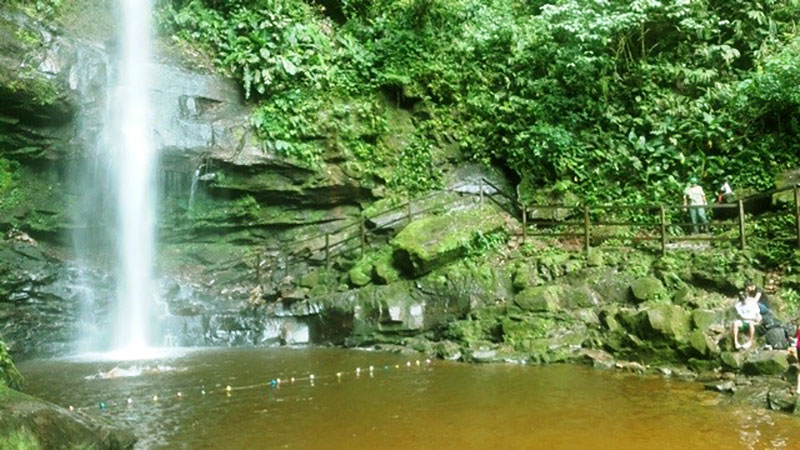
[(771, 362), (702, 345), (34, 423), (659, 322), (539, 299), (647, 288), (434, 241)]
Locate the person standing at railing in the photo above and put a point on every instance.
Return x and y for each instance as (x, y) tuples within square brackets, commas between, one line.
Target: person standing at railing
[(725, 194), (694, 195)]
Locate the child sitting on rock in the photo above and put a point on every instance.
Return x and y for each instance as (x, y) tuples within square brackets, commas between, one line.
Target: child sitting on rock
[(749, 316)]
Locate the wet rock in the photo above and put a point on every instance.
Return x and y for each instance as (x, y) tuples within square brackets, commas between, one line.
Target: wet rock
[(720, 386), (595, 358), (39, 424), (781, 399), (647, 288), (448, 350), (630, 366), (732, 360), (771, 362), (484, 355)]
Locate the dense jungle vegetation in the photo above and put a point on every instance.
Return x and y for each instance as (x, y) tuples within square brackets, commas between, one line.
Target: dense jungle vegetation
[(613, 100)]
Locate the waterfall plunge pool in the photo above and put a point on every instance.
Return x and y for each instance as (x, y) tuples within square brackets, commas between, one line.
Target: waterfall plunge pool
[(397, 405)]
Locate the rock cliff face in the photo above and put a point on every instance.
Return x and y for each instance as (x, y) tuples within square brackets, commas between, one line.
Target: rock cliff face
[(224, 198)]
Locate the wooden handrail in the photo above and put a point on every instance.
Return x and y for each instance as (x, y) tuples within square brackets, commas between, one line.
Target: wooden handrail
[(659, 227)]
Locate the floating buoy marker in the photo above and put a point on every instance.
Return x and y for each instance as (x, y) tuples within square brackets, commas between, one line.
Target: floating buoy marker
[(292, 379), (179, 395), (311, 377), (358, 371), (339, 376), (228, 388), (416, 362), (371, 368), (202, 392), (130, 401), (102, 405), (71, 408), (155, 398), (408, 363), (427, 361)]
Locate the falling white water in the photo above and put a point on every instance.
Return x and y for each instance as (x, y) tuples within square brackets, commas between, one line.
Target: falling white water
[(134, 159)]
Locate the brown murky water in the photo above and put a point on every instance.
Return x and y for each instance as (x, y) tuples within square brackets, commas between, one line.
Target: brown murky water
[(440, 405)]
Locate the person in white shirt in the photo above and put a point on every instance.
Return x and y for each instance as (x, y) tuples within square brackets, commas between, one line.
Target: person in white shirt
[(694, 195), (749, 316), (725, 194)]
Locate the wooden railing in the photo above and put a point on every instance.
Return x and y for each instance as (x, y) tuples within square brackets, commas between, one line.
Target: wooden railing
[(358, 233), (659, 226)]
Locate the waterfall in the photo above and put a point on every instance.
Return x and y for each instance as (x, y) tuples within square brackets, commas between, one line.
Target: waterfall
[(133, 157)]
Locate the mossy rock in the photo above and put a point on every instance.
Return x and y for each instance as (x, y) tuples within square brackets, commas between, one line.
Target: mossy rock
[(360, 275), (647, 288), (772, 362), (540, 299), (658, 322), (525, 275), (383, 270), (30, 423), (732, 360), (704, 318), (431, 242), (702, 345)]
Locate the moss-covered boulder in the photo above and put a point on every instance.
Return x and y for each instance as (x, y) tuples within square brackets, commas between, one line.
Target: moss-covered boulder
[(704, 318), (702, 345), (773, 362), (30, 423), (434, 241), (647, 288), (359, 275), (732, 360), (540, 298), (658, 323)]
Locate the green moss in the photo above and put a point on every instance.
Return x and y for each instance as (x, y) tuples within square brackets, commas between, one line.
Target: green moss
[(20, 439), (9, 375), (437, 240)]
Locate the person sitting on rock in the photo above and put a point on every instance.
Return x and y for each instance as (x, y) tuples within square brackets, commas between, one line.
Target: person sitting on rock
[(749, 316)]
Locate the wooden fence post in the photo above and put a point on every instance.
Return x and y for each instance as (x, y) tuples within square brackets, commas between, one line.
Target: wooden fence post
[(363, 236), (327, 250), (663, 230), (742, 240), (586, 231), (797, 211), (480, 187)]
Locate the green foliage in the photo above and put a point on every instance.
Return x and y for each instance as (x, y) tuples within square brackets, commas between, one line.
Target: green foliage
[(20, 439), (623, 100), (7, 174), (9, 376), (482, 243), (46, 9), (772, 237)]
